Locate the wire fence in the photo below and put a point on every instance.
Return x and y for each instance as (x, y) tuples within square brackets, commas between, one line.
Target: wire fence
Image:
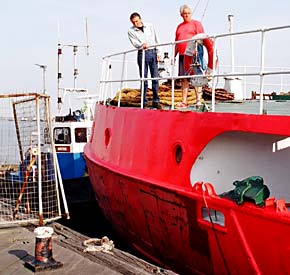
[(28, 168)]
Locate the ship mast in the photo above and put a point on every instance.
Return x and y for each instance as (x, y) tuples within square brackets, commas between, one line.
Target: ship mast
[(60, 90)]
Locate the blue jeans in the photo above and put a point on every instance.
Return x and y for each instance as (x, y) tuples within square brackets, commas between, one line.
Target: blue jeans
[(151, 63)]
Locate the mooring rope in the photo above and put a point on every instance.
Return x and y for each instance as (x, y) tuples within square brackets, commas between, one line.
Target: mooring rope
[(215, 233)]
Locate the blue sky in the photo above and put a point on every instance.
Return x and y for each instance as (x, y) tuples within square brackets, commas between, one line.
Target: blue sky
[(29, 32)]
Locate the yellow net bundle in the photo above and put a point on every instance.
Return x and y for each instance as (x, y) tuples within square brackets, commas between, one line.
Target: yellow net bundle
[(132, 97)]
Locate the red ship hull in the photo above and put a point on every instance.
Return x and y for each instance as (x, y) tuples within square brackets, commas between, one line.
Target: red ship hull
[(147, 168)]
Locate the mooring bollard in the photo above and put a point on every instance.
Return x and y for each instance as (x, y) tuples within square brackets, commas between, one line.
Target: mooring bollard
[(43, 251)]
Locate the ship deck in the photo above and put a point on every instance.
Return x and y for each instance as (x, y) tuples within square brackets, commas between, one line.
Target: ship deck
[(270, 107)]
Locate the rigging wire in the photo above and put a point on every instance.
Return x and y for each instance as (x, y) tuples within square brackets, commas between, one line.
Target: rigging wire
[(204, 10), (215, 234), (196, 5)]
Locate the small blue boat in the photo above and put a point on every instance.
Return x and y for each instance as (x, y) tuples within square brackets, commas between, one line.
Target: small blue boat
[(70, 134)]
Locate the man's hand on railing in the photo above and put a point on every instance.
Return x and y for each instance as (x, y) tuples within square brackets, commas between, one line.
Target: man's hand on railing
[(208, 74), (158, 57)]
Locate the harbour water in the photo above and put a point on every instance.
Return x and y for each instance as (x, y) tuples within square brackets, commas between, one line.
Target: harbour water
[(88, 219)]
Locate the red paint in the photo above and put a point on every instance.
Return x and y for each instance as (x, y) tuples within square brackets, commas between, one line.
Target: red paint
[(147, 195), (208, 43)]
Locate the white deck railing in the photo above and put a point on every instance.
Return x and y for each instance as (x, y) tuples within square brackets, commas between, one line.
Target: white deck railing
[(260, 71)]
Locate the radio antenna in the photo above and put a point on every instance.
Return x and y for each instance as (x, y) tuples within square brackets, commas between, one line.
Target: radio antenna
[(60, 90), (58, 30), (87, 37)]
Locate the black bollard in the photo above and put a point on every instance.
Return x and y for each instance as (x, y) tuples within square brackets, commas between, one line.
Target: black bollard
[(43, 251)]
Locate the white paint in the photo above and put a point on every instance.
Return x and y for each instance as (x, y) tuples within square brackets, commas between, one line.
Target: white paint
[(43, 232), (281, 144), (236, 155), (234, 85)]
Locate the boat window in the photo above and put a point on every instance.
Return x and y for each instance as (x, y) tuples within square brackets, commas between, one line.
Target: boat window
[(214, 216), (81, 135), (62, 135)]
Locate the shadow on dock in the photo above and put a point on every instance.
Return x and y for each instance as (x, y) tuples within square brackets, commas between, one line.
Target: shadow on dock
[(21, 254)]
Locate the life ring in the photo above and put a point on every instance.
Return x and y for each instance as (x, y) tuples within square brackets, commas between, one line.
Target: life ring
[(192, 64)]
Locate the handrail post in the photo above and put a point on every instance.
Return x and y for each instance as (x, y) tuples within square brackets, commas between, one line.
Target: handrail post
[(122, 79), (281, 80), (102, 84), (172, 74), (213, 75), (126, 73), (244, 83), (142, 78), (108, 70), (262, 71)]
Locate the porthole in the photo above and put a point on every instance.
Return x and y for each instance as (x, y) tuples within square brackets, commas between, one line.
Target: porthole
[(107, 136), (178, 153)]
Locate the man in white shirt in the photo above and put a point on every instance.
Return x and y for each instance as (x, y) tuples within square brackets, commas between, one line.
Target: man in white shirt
[(143, 36)]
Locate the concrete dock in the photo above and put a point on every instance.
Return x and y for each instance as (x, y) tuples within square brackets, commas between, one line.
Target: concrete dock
[(17, 246)]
